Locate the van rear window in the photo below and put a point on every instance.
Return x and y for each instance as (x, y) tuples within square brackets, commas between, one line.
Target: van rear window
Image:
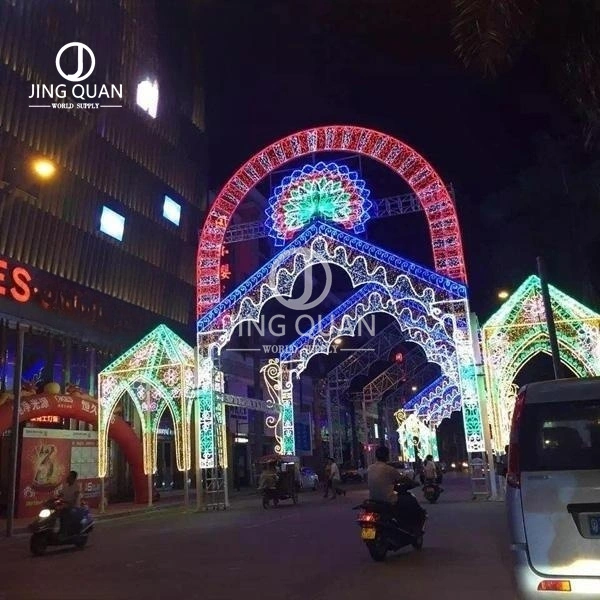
[(558, 436)]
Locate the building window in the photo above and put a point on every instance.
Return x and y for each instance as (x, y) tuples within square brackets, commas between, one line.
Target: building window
[(171, 210), (112, 223), (147, 96)]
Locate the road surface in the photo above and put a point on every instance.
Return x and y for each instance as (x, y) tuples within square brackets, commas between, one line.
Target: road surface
[(309, 551)]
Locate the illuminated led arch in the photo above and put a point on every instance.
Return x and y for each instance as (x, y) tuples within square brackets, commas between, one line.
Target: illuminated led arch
[(517, 332), (407, 163), (157, 373), (431, 308)]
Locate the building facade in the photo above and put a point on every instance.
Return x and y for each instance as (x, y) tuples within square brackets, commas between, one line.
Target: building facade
[(100, 246)]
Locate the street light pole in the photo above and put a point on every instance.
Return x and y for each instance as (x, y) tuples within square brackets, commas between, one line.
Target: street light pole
[(18, 373), (549, 318)]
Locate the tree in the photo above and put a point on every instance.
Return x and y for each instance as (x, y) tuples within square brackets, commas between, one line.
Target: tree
[(563, 35)]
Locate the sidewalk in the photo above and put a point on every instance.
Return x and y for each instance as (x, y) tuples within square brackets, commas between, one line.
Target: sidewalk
[(169, 500)]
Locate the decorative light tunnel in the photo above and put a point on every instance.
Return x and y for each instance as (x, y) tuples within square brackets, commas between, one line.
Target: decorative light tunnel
[(430, 308), (435, 302), (517, 332)]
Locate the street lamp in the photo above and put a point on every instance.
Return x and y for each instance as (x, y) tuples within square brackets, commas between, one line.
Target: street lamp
[(338, 341), (503, 294), (43, 168), (414, 388)]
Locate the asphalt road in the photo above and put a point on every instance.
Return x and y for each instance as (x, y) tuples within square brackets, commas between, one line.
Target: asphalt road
[(308, 551)]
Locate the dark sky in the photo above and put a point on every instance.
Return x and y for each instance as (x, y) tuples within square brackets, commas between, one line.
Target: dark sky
[(274, 67)]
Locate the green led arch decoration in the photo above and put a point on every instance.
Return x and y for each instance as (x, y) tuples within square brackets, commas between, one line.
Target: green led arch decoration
[(517, 332), (157, 373)]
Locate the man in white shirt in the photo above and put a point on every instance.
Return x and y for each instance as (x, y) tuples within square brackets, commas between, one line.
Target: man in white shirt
[(71, 496), (382, 478), (430, 470)]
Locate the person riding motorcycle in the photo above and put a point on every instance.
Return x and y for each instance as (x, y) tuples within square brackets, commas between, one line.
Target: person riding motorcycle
[(70, 497), (383, 480), (430, 470)]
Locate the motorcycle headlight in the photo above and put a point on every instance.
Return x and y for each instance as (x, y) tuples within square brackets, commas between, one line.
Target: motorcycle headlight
[(45, 513)]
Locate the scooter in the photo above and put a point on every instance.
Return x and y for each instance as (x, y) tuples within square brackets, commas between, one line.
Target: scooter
[(382, 530), (48, 530), (432, 491)]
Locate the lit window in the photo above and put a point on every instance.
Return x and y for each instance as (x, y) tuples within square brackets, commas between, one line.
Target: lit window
[(112, 223), (147, 96), (171, 210)]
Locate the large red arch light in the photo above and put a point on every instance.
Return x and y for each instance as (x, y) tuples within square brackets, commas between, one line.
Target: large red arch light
[(406, 162)]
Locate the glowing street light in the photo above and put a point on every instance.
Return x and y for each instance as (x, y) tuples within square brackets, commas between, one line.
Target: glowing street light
[(338, 341), (43, 168), (414, 388), (503, 294)]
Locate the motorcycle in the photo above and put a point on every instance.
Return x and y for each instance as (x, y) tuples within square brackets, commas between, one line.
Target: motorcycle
[(383, 530), (48, 529), (432, 491)]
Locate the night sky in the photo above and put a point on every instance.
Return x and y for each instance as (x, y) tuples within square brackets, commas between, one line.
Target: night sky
[(274, 67)]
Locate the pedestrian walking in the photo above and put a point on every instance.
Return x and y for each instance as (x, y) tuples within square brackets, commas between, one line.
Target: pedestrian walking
[(335, 480)]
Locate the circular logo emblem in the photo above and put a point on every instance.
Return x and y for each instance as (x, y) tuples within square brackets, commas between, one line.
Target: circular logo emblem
[(310, 259), (78, 75)]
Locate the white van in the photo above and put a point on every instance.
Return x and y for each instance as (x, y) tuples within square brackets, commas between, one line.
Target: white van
[(553, 489)]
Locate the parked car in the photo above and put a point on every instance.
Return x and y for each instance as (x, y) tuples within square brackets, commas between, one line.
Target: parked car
[(309, 480), (552, 496)]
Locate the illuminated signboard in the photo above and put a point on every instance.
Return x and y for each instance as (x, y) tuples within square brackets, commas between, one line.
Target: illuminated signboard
[(14, 282)]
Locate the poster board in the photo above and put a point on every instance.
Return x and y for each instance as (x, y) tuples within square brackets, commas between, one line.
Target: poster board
[(47, 456)]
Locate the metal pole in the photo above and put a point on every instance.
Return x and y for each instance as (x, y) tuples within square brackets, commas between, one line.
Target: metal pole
[(12, 489), (483, 408), (549, 318), (199, 498), (102, 496), (329, 415), (186, 488)]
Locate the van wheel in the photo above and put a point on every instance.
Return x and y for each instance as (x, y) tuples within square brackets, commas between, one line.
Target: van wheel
[(38, 544)]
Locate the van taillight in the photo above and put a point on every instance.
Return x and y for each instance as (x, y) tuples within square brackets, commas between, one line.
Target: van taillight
[(513, 475)]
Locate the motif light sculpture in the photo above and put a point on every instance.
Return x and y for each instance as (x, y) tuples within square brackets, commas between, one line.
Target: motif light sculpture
[(328, 192), (157, 374), (518, 331)]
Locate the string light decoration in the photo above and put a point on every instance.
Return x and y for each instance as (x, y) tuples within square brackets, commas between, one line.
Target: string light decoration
[(430, 308), (321, 243), (157, 374), (328, 192), (436, 402), (518, 331), (278, 383), (414, 436), (407, 163)]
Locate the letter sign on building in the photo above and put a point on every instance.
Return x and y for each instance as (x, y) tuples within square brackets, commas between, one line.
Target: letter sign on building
[(14, 282)]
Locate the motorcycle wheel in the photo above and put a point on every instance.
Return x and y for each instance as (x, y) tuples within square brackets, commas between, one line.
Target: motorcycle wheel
[(295, 497), (432, 499), (265, 503), (377, 549), (418, 543), (38, 544), (81, 542)]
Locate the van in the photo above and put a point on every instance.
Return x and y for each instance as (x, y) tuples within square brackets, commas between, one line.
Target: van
[(553, 489)]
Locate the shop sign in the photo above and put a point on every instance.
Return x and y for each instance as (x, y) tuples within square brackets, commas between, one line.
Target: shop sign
[(14, 281)]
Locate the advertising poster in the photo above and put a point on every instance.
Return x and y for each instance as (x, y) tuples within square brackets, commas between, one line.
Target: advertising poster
[(46, 459)]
